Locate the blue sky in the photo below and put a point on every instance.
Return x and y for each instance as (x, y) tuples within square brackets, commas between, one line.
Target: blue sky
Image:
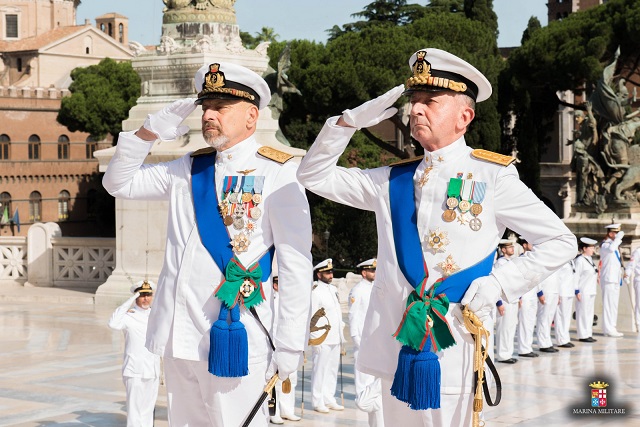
[(296, 19)]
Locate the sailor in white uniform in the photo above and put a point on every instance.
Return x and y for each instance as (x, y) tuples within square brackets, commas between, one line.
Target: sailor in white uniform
[(141, 368), (436, 217), (326, 355), (586, 287), (564, 311), (507, 313), (527, 314), (368, 391), (632, 270), (611, 275)]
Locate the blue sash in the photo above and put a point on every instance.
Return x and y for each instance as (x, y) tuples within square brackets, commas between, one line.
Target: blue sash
[(229, 349)]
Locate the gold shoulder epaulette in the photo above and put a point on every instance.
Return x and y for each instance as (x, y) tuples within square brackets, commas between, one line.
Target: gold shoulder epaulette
[(314, 287), (203, 151), (492, 157), (275, 155), (405, 161)]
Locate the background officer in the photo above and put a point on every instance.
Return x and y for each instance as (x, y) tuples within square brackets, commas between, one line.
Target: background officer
[(507, 312), (141, 368), (326, 355), (611, 274), (586, 287)]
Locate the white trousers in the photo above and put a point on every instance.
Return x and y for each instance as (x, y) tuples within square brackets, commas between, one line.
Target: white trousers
[(526, 323), (610, 298), (286, 401), (562, 320), (368, 394), (506, 330), (142, 394), (324, 376), (455, 410), (196, 398), (636, 288), (545, 317), (584, 316)]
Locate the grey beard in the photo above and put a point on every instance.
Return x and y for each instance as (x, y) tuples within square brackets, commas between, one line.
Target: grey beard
[(217, 142)]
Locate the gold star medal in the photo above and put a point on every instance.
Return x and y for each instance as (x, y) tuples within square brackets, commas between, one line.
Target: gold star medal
[(437, 240), (448, 266), (240, 243)]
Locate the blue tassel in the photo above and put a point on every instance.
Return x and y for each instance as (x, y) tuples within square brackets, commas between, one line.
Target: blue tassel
[(238, 346), (425, 382), (402, 379), (219, 345)]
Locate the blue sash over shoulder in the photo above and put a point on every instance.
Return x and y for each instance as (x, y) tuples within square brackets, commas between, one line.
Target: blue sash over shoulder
[(229, 350), (424, 329)]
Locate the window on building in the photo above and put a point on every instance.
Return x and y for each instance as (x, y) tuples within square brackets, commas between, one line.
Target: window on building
[(102, 28), (91, 146), (5, 204), (121, 33), (110, 29), (11, 26), (19, 64), (5, 143), (92, 197), (35, 207), (63, 205), (63, 147), (34, 147)]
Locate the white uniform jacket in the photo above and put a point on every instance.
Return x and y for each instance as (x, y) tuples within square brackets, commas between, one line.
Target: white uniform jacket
[(633, 266), (610, 261), (358, 303), (586, 275), (566, 286), (184, 305), (132, 320), (326, 295), (507, 203)]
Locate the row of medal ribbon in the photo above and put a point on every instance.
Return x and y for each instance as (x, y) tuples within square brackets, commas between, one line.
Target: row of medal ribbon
[(465, 195), (241, 196)]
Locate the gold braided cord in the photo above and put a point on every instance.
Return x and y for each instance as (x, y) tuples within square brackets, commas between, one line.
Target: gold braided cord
[(437, 82)]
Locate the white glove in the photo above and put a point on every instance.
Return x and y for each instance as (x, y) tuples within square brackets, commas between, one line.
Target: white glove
[(373, 112), (166, 122), (482, 296), (285, 362), (626, 279), (619, 235)]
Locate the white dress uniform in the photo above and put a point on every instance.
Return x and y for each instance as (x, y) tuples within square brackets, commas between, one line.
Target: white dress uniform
[(185, 306), (505, 324), (326, 356), (586, 283), (550, 288), (507, 203), (611, 269), (141, 368), (633, 269), (358, 304), (527, 318), (564, 311)]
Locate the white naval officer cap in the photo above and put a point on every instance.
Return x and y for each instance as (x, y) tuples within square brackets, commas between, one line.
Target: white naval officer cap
[(436, 70), (612, 227), (326, 265), (225, 80), (588, 242), (144, 286), (506, 242), (369, 264)]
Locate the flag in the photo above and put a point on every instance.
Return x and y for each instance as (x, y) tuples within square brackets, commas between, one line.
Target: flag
[(5, 216), (16, 219)]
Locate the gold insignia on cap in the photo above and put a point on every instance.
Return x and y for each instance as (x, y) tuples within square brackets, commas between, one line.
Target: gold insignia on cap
[(422, 76), (490, 156), (275, 155), (214, 82), (375, 263)]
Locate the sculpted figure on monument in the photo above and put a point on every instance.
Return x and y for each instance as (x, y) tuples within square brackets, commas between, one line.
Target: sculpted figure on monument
[(199, 4), (589, 175)]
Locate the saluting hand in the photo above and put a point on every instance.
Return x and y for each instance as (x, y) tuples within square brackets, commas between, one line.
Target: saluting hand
[(372, 112), (166, 122)]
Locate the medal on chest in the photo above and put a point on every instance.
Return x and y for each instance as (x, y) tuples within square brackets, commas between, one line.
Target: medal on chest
[(239, 207), (464, 201)]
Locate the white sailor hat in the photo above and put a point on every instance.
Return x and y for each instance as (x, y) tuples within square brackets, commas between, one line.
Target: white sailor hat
[(369, 264), (144, 286), (588, 242), (506, 242), (225, 80), (435, 70), (326, 265), (612, 227)]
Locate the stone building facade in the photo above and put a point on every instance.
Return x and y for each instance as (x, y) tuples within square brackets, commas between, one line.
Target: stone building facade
[(48, 173)]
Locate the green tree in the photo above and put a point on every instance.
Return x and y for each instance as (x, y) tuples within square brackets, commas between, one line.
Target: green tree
[(267, 34), (101, 97)]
